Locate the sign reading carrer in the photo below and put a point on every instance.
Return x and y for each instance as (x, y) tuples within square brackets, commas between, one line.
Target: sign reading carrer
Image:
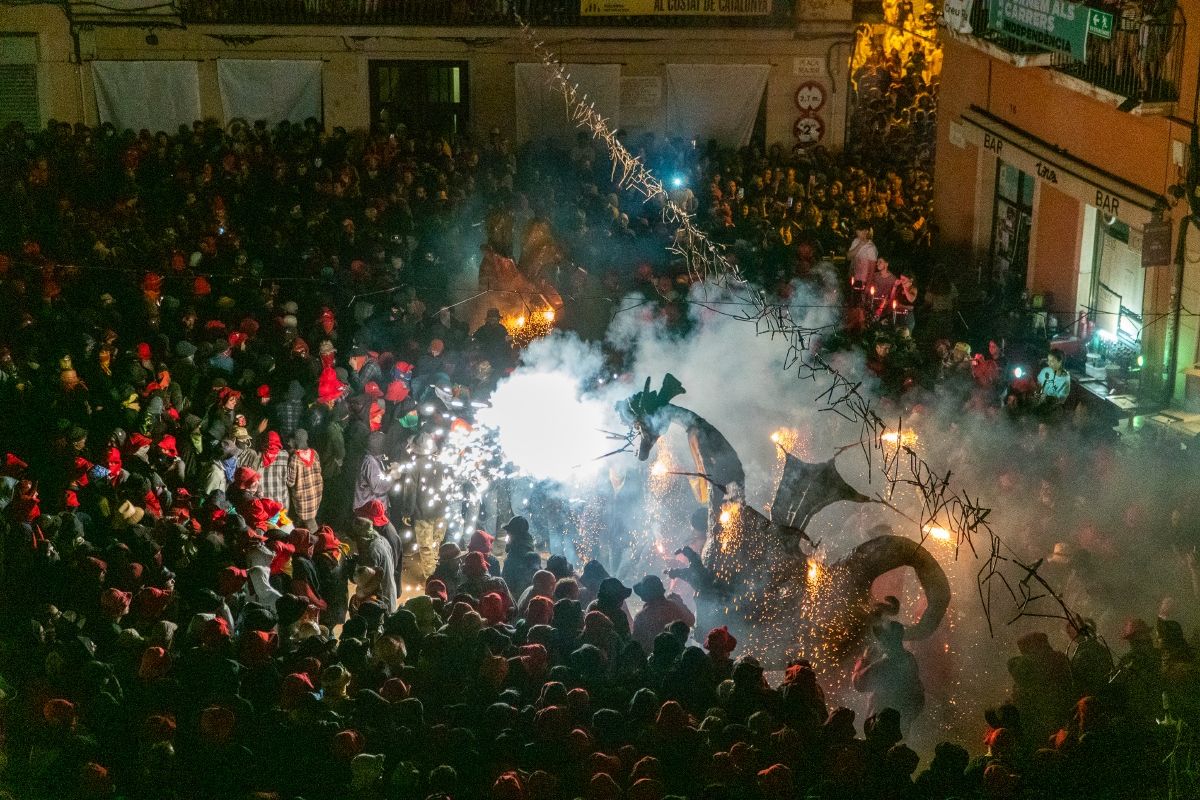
[(668, 8), (1052, 24)]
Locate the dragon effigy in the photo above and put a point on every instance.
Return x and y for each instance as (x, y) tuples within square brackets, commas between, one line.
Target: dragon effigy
[(753, 574)]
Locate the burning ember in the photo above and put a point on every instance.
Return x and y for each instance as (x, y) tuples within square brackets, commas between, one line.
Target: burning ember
[(900, 438), (524, 328)]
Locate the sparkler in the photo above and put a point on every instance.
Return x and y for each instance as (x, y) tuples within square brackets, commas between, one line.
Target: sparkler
[(525, 328)]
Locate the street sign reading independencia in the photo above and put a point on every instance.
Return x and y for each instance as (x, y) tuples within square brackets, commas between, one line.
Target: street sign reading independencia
[(671, 8), (1052, 24)]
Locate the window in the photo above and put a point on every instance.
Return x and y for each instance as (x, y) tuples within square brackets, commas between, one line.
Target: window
[(1011, 223), (18, 81), (423, 95)]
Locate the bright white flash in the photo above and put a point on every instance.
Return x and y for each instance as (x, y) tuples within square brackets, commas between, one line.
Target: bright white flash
[(545, 428)]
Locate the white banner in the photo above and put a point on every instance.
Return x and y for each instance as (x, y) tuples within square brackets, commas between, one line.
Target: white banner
[(270, 90), (714, 101), (542, 112), (158, 95)]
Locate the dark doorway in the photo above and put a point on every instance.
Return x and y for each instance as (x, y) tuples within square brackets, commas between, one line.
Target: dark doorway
[(424, 95)]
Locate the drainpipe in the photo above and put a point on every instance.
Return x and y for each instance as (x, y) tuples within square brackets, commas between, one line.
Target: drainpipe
[(1192, 187)]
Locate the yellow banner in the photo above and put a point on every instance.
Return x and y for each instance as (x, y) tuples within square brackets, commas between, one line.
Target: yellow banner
[(674, 8)]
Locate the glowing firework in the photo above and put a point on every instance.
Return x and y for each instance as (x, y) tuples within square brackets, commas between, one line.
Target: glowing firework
[(776, 437), (814, 571), (900, 438), (659, 469), (725, 517), (545, 428), (524, 328), (938, 533)]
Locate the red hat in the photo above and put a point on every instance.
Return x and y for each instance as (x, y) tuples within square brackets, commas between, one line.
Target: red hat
[(264, 391), (476, 559), (493, 608), (394, 690), (245, 477), (231, 580), (540, 611), (152, 282), (372, 390), (258, 648), (216, 724), (508, 786), (94, 780), (151, 602), (397, 392), (293, 689), (143, 352), (481, 542), (115, 603), (327, 540), (154, 664), (720, 641), (59, 712), (435, 587), (374, 511), (201, 287), (139, 440), (236, 338), (346, 745), (13, 465), (329, 388), (215, 633), (159, 728), (168, 447)]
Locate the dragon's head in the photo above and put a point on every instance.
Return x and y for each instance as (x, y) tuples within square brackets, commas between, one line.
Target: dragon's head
[(641, 411)]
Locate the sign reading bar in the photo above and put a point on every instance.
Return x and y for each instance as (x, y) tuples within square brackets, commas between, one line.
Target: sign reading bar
[(1053, 24), (671, 8)]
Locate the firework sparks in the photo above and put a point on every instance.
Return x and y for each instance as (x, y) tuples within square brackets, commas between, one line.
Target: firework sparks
[(524, 328), (899, 438)]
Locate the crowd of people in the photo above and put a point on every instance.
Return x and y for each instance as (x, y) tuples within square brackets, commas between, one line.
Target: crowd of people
[(228, 360)]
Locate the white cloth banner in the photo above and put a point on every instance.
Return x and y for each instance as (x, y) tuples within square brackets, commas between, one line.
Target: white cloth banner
[(159, 95), (542, 112), (714, 101), (270, 90)]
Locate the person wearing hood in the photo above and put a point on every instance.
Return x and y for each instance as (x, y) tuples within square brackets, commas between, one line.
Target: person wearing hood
[(610, 601), (373, 482), (374, 552), (222, 464), (521, 560), (304, 482), (275, 462), (659, 611), (288, 413)]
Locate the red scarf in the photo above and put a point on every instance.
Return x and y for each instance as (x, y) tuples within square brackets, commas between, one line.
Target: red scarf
[(307, 457), (274, 445)]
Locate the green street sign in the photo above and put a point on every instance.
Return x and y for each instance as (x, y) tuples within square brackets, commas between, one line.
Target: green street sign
[(1052, 24), (1100, 23)]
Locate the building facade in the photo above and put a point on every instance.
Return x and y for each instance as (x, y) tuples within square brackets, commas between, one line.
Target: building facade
[(1062, 151), (456, 66)]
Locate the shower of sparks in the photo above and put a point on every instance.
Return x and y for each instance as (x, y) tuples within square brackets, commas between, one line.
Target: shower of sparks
[(524, 328), (938, 533), (899, 438)]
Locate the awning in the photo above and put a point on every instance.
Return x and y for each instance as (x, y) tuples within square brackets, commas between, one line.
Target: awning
[(1089, 184)]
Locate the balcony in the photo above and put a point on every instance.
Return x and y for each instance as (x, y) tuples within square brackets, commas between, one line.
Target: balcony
[(456, 13), (1137, 69)]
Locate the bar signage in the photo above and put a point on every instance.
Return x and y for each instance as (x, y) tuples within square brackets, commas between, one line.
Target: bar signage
[(672, 8)]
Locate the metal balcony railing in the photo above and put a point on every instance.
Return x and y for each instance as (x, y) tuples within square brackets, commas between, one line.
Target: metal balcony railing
[(1142, 62), (451, 13), (1011, 44)]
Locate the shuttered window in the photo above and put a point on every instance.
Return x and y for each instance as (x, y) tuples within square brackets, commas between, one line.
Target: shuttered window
[(18, 95), (18, 81)]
